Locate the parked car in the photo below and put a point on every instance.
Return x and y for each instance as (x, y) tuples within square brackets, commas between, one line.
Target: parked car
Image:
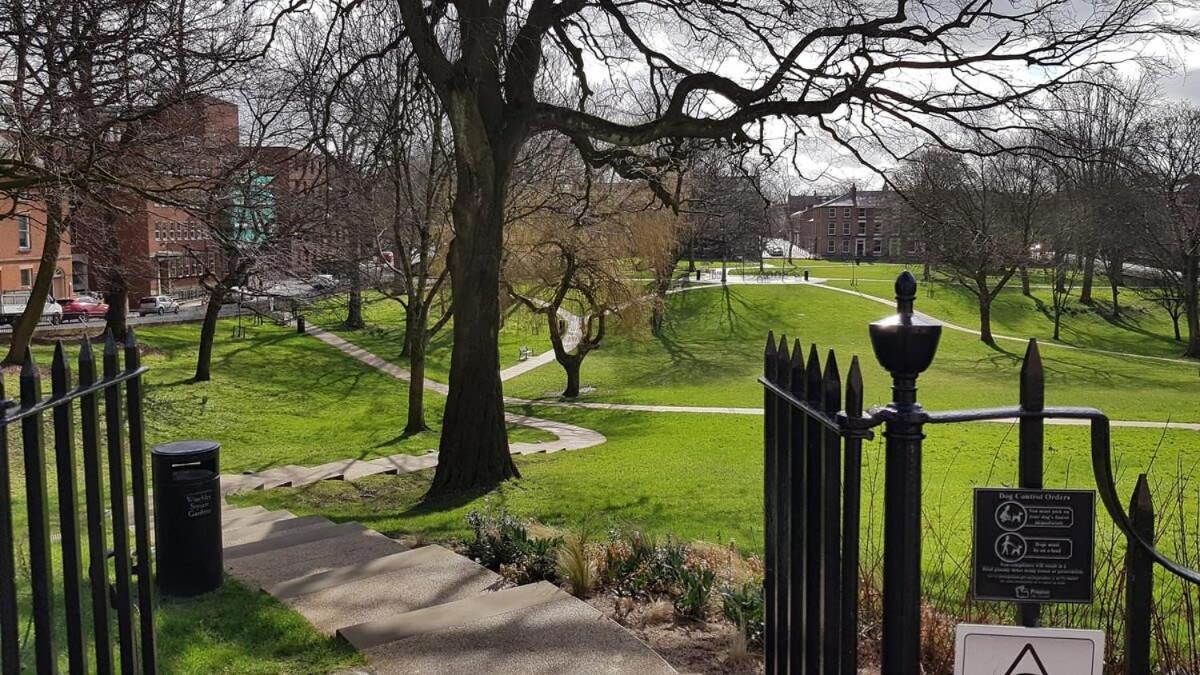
[(83, 308), (12, 305), (158, 304)]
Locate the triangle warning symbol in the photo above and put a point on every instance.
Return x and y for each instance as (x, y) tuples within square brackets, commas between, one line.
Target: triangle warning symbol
[(1027, 663)]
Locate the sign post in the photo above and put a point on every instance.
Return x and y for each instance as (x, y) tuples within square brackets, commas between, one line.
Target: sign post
[(1033, 545)]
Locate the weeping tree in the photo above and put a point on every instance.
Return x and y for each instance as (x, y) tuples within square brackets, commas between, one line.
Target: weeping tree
[(644, 75), (568, 263)]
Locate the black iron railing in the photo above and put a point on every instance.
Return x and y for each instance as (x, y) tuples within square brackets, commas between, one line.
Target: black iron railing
[(813, 462), (126, 588)]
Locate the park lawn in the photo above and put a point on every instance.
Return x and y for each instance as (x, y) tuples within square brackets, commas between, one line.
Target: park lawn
[(1142, 327), (711, 351), (699, 477), (384, 335)]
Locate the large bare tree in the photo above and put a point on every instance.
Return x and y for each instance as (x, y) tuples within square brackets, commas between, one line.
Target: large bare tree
[(645, 74)]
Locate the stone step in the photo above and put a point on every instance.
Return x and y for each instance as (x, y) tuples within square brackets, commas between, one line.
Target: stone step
[(379, 632), (234, 483), (363, 468), (423, 577), (242, 535), (272, 568), (255, 519), (529, 629), (298, 536), (407, 463), (280, 476), (228, 512)]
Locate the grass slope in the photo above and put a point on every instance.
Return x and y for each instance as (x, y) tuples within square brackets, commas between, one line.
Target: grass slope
[(710, 353)]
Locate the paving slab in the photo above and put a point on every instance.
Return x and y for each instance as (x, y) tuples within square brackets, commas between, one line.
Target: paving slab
[(560, 635), (292, 538), (407, 463), (448, 615), (433, 578), (236, 536), (364, 468), (281, 476), (263, 518), (412, 559), (304, 560), (231, 484)]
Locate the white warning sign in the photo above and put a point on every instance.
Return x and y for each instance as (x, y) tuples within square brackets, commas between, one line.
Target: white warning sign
[(1012, 650)]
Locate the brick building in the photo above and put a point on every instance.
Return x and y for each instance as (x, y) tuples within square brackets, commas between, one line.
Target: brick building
[(854, 225), (22, 234)]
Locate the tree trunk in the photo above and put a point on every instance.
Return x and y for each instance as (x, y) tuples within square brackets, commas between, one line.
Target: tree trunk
[(22, 332), (1089, 272), (416, 390), (1115, 296), (926, 272), (692, 255), (1025, 288), (473, 452), (985, 319), (1175, 323), (572, 367), (354, 313), (1191, 302), (117, 299), (208, 333)]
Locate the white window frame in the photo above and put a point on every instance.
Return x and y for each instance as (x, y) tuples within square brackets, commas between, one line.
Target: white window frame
[(832, 229), (845, 246), (831, 247), (24, 236), (846, 228)]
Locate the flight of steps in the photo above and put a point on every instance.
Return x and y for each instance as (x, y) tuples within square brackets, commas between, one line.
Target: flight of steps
[(426, 609), (345, 469)]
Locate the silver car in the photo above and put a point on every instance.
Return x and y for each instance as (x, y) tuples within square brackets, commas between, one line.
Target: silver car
[(158, 304)]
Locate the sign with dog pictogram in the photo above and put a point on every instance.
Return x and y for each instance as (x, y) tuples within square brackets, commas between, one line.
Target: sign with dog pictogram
[(1033, 545), (1010, 650)]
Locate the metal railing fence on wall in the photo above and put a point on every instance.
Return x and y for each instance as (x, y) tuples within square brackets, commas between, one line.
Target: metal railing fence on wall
[(812, 498), (102, 569)]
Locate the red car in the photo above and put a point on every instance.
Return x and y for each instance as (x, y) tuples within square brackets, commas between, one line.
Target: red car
[(83, 308)]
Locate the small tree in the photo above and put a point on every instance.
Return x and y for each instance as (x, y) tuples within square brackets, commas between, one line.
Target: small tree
[(1167, 291), (567, 263)]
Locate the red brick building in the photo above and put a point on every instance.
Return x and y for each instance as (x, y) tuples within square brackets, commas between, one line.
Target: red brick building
[(854, 225), (22, 235)]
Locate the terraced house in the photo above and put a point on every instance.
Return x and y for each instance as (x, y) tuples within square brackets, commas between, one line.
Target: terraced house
[(856, 225)]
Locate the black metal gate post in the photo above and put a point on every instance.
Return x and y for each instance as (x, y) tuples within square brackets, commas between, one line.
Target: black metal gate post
[(904, 345), (1030, 458)]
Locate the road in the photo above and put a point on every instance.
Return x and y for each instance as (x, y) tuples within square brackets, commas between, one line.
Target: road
[(186, 314)]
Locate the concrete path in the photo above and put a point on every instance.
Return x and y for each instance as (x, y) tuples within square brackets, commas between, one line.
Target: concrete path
[(566, 437), (422, 610)]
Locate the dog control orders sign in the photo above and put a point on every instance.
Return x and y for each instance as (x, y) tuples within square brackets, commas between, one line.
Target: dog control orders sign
[(1033, 545), (1009, 650)]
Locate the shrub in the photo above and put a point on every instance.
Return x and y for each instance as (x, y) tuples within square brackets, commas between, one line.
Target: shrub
[(743, 607), (695, 587), (502, 543)]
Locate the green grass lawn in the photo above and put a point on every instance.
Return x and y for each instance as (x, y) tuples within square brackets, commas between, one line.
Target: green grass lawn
[(1140, 328), (276, 398), (699, 477), (711, 354), (384, 335)]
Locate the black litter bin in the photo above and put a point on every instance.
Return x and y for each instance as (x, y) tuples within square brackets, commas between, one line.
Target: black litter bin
[(187, 517)]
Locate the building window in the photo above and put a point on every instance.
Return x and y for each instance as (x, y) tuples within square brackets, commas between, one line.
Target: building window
[(845, 228), (832, 227), (831, 247), (862, 213), (23, 233), (862, 227), (832, 212), (846, 212), (893, 247), (845, 246), (877, 247), (26, 277)]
